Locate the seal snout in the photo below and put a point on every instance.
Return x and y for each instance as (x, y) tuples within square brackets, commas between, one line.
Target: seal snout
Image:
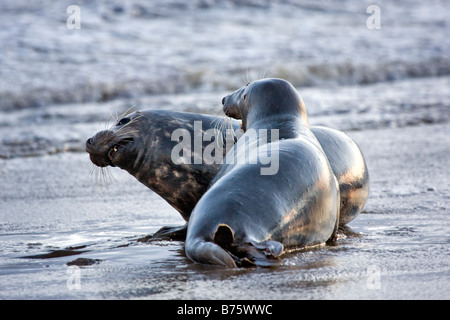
[(225, 105), (90, 148), (230, 107), (97, 147)]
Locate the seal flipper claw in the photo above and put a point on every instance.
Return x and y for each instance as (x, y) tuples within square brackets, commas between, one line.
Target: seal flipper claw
[(263, 254), (270, 248)]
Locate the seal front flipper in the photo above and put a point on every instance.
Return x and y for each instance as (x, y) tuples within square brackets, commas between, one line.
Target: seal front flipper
[(168, 233), (266, 253), (261, 254)]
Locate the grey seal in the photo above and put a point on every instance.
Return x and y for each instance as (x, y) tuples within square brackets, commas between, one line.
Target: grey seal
[(249, 216)]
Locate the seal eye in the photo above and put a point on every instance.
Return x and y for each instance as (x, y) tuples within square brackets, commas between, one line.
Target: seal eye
[(123, 121)]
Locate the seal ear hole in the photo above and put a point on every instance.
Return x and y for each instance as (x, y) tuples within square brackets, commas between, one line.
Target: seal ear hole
[(224, 236)]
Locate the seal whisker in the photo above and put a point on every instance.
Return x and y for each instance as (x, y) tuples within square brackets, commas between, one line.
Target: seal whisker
[(263, 74), (127, 111), (223, 127), (109, 177), (218, 130), (102, 176), (229, 123), (128, 133), (95, 172), (219, 125), (123, 114), (127, 124), (108, 120), (244, 76), (103, 125), (92, 170)]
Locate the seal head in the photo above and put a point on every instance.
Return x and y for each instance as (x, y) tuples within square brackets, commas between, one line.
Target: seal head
[(142, 144), (276, 98), (107, 148)]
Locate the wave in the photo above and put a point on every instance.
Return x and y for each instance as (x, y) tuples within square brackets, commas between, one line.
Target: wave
[(141, 48), (173, 81)]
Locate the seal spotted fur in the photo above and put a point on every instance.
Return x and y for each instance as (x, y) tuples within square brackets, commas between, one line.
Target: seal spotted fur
[(141, 144)]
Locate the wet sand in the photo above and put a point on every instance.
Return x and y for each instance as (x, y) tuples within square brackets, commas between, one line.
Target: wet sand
[(65, 235), (398, 249)]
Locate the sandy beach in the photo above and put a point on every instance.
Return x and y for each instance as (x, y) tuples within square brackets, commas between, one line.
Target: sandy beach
[(402, 236), (70, 231)]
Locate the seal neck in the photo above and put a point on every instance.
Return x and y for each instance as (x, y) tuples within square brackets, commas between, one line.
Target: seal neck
[(274, 99), (288, 127)]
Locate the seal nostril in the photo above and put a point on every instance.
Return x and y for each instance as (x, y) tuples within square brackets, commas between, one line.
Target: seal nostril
[(89, 141), (223, 101)]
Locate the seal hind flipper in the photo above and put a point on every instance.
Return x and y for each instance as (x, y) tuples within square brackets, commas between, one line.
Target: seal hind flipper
[(207, 252), (264, 254)]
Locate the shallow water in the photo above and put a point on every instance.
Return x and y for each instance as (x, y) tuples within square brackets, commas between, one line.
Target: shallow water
[(387, 88)]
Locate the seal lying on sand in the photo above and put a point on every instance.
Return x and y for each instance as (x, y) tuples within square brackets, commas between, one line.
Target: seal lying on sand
[(143, 145), (250, 215)]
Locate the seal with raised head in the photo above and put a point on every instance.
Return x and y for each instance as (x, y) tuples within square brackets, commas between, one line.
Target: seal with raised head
[(249, 216), (143, 143)]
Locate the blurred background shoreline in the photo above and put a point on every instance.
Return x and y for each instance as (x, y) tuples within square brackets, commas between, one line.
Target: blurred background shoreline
[(187, 55)]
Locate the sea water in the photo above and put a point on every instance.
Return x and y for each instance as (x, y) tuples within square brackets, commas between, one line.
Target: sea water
[(69, 68)]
